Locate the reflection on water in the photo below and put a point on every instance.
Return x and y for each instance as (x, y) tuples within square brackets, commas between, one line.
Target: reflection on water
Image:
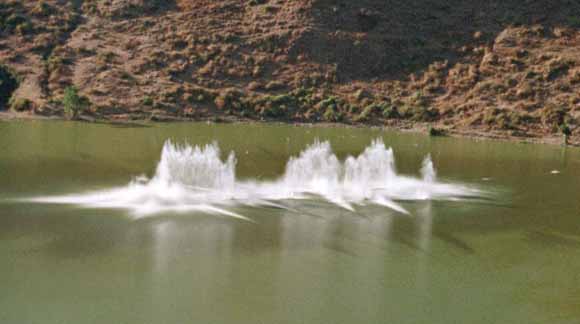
[(424, 225), (206, 248), (302, 254), (340, 249)]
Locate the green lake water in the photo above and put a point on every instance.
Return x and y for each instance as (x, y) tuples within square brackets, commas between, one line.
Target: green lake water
[(512, 256)]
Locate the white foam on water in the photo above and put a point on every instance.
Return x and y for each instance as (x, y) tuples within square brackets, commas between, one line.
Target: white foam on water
[(195, 178)]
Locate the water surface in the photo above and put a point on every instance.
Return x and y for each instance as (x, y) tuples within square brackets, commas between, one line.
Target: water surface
[(508, 256)]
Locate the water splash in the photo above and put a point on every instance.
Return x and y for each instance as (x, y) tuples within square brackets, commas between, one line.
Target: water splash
[(428, 170), (193, 178), (195, 167)]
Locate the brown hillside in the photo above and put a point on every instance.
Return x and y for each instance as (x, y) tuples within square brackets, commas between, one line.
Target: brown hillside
[(506, 66)]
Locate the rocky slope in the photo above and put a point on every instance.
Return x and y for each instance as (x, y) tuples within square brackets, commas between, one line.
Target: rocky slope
[(494, 67)]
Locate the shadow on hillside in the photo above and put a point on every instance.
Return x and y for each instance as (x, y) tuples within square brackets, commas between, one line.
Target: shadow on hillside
[(127, 9), (387, 38), (8, 84)]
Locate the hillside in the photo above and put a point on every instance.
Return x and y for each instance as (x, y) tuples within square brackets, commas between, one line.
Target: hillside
[(497, 68)]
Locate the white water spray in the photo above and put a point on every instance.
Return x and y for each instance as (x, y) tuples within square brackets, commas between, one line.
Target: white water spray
[(196, 166), (196, 179), (428, 170)]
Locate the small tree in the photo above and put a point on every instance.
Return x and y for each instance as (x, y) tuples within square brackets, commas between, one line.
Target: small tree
[(566, 131), (73, 103)]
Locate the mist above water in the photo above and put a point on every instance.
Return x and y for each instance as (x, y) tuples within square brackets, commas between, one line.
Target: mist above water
[(195, 178)]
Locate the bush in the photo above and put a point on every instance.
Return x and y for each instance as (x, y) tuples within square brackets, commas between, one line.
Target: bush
[(284, 105), (565, 129), (277, 106), (229, 99), (386, 109), (54, 63), (257, 2), (435, 132), (365, 115), (12, 21), (574, 21), (20, 104), (24, 28), (389, 111), (270, 9), (553, 115), (332, 107), (73, 103), (330, 115), (504, 119), (147, 101), (42, 9)]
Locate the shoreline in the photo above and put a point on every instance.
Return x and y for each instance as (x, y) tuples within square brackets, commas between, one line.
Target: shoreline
[(399, 126)]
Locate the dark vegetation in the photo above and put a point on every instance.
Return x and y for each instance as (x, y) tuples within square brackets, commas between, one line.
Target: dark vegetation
[(8, 84)]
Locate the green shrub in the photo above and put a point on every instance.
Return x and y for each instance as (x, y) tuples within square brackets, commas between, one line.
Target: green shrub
[(24, 28), (285, 105), (42, 9), (13, 21), (565, 129), (229, 99), (270, 9), (201, 95), (574, 21), (273, 110), (54, 63), (435, 132), (20, 104), (553, 115), (105, 58), (332, 107), (126, 76), (330, 115), (257, 2), (72, 102), (386, 109), (148, 101), (558, 68), (391, 112), (284, 99), (508, 120), (277, 106), (422, 114), (304, 96), (366, 113)]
